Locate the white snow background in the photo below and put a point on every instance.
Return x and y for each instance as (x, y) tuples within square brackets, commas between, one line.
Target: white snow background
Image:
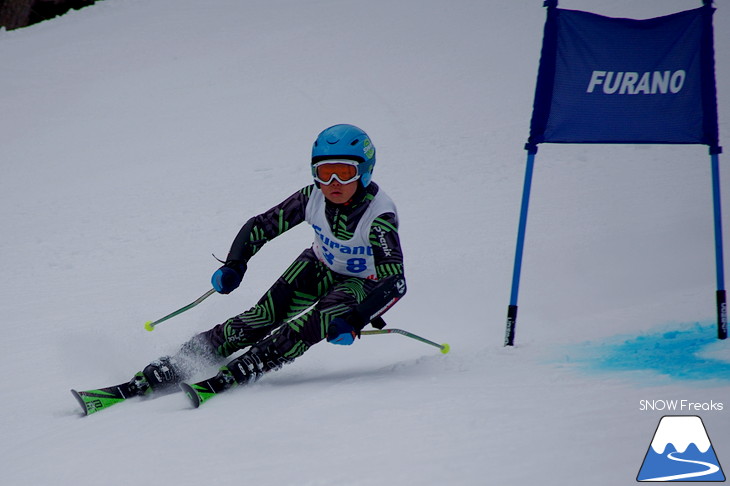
[(136, 137)]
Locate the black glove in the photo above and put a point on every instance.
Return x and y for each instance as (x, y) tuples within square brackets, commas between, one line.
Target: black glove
[(228, 277)]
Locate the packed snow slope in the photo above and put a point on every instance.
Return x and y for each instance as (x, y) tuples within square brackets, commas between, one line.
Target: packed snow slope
[(136, 138)]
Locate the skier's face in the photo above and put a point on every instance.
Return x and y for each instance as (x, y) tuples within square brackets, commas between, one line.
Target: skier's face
[(339, 193)]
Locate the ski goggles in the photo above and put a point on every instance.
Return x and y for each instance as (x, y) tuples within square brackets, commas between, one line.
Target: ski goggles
[(345, 171)]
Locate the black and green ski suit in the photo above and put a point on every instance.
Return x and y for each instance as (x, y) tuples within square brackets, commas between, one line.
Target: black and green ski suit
[(295, 312)]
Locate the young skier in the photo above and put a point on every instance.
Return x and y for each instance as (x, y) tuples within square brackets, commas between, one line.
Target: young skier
[(352, 273)]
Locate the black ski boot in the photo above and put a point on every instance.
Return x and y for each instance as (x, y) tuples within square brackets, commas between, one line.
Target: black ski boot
[(164, 374), (245, 369), (139, 385), (159, 376)]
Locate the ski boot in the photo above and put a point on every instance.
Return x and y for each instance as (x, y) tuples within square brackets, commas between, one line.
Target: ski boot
[(244, 370)]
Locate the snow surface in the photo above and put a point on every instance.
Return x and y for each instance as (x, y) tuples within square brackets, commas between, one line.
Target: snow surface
[(137, 136)]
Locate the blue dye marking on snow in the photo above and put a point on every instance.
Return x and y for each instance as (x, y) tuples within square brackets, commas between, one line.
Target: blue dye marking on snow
[(685, 352)]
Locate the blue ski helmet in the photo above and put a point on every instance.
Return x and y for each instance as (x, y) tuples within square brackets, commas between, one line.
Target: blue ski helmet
[(346, 142)]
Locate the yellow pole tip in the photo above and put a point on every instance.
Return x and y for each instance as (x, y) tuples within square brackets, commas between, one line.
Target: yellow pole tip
[(445, 348), (148, 325)]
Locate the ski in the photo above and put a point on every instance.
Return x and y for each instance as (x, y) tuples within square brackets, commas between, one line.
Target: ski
[(196, 393), (92, 401), (201, 392)]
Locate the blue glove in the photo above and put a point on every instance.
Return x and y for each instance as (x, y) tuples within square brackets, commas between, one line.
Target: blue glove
[(340, 332), (228, 277)]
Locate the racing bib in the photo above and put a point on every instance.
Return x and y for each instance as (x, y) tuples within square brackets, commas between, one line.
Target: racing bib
[(347, 257)]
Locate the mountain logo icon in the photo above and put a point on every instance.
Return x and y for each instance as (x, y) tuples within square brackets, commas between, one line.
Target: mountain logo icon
[(680, 451)]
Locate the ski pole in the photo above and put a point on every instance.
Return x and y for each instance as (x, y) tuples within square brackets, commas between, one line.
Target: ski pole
[(443, 347), (150, 325)]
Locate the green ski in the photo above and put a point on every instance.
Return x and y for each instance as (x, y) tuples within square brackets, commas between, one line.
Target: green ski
[(92, 401), (201, 392)]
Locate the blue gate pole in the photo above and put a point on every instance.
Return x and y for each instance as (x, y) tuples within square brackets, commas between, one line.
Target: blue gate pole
[(719, 260), (509, 338)]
